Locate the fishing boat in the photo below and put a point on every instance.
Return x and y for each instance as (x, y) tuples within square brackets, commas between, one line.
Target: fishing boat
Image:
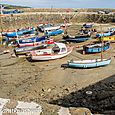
[(31, 41), (25, 50), (19, 32), (108, 33), (67, 24), (54, 32), (108, 38), (89, 63), (59, 50), (87, 25), (77, 38), (95, 47), (47, 27)]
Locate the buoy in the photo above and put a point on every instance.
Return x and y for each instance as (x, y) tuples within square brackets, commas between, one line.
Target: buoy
[(89, 92), (83, 52)]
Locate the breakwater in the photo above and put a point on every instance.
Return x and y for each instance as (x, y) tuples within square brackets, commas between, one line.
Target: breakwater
[(15, 21)]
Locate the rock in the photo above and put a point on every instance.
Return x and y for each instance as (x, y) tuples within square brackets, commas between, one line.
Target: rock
[(63, 111), (41, 94), (6, 51), (43, 90), (49, 90), (67, 89), (60, 102), (60, 95), (13, 55), (80, 111)]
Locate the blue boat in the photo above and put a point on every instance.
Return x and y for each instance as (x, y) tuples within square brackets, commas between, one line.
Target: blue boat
[(54, 32), (31, 40), (87, 25), (77, 38), (12, 12), (96, 47), (89, 63), (19, 32), (109, 33)]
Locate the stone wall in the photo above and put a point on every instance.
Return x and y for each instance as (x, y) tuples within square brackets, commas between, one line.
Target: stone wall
[(33, 19)]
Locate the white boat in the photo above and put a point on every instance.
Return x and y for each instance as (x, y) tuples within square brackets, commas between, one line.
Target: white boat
[(59, 50), (51, 28)]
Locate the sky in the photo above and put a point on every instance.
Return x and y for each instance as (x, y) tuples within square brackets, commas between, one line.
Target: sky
[(62, 3)]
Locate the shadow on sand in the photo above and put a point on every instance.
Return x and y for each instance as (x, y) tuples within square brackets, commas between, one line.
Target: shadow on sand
[(99, 97)]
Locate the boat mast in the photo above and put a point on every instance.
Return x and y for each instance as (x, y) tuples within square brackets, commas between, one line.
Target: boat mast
[(65, 26), (101, 44), (1, 22)]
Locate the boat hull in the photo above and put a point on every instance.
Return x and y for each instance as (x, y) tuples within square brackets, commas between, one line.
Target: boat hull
[(96, 49), (27, 49), (104, 34), (19, 33), (109, 38), (92, 64), (54, 33), (77, 38), (50, 56)]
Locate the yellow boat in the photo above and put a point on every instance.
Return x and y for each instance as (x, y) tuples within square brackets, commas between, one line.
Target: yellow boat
[(109, 38)]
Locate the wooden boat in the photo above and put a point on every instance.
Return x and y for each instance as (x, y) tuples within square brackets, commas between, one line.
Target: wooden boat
[(25, 50), (63, 25), (109, 33), (95, 47), (77, 38), (51, 28), (108, 38), (89, 63), (19, 32), (87, 25), (12, 11), (54, 32), (30, 41), (59, 50), (48, 27)]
